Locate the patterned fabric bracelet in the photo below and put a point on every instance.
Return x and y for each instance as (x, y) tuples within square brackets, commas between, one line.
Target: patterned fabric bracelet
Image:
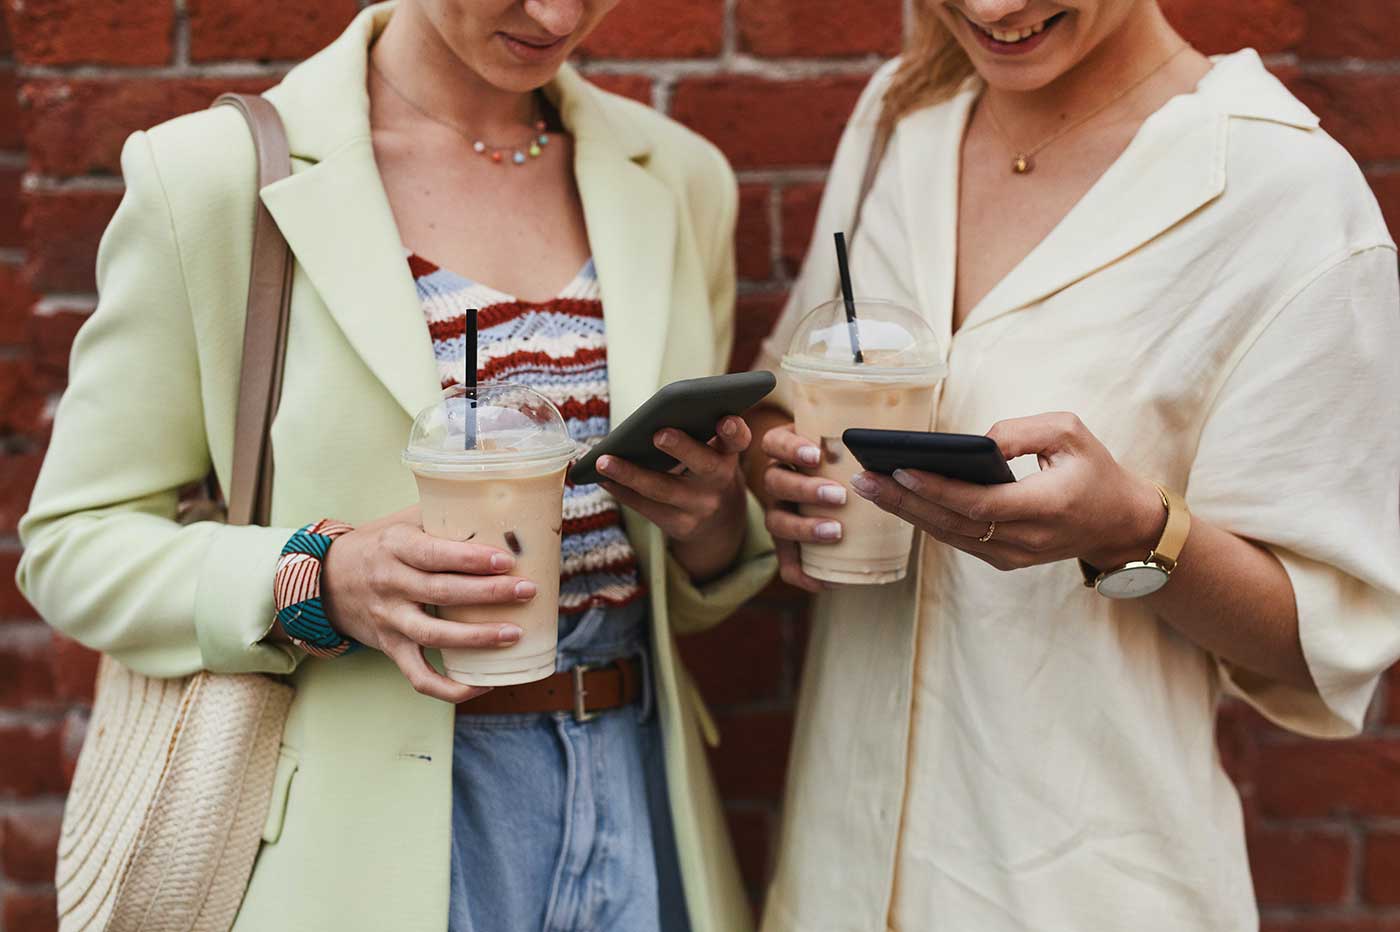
[(297, 590)]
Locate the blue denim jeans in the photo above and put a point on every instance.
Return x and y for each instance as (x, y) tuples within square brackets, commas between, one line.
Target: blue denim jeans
[(560, 825)]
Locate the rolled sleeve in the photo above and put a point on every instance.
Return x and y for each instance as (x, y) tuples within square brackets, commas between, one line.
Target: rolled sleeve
[(1301, 453), (694, 608)]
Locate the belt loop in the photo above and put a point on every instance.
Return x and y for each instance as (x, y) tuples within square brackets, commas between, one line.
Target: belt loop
[(647, 706)]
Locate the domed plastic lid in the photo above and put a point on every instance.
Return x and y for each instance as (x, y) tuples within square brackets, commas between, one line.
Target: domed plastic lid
[(507, 426), (895, 343)]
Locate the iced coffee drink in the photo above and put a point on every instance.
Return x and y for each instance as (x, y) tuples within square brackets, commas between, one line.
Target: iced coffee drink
[(891, 388), (494, 475)]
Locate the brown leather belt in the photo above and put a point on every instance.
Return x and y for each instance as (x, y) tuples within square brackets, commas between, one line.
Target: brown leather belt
[(584, 691)]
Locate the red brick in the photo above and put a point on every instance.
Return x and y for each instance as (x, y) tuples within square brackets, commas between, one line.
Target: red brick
[(1299, 867), (74, 669), (33, 763), (29, 844), (13, 606), (753, 238), (755, 315), (752, 832), (800, 203), (105, 32), (1381, 881), (635, 86), (783, 28), (11, 222), (15, 301), (659, 29), (1358, 109), (27, 911), (740, 660), (17, 474), (1314, 779), (103, 112), (26, 676), (1212, 26), (751, 761), (63, 229), (1387, 190), (1322, 924), (266, 30), (10, 135), (1350, 29), (762, 123), (23, 398), (51, 337), (6, 46)]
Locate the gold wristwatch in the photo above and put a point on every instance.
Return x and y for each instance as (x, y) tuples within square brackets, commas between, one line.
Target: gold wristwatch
[(1144, 577)]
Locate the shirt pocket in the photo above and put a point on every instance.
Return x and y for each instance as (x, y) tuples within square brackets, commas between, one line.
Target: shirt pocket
[(287, 764)]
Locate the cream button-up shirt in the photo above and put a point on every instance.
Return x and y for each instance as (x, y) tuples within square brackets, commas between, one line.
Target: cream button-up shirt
[(979, 750)]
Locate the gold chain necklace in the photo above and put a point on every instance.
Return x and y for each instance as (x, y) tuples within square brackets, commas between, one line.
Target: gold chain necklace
[(516, 155), (1024, 162)]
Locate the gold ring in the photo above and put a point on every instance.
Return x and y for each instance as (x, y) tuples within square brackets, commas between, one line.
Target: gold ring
[(991, 529)]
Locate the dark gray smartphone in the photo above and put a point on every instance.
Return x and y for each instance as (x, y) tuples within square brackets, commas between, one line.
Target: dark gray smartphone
[(693, 406), (969, 457)]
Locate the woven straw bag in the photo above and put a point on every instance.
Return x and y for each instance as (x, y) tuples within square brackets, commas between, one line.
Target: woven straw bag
[(173, 783)]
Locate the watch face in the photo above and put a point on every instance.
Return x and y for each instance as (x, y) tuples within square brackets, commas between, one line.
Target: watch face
[(1133, 581)]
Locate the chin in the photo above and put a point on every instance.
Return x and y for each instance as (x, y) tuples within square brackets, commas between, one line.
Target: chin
[(519, 79)]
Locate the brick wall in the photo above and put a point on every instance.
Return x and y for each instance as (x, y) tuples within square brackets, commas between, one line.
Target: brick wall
[(770, 81)]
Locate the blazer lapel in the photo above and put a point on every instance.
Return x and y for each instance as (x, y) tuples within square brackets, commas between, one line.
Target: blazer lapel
[(631, 219), (337, 220), (1174, 166)]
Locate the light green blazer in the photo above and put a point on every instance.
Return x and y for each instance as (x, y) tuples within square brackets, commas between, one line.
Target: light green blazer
[(358, 834)]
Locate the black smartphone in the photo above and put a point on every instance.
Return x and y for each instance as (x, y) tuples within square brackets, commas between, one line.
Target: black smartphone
[(969, 457), (693, 406)]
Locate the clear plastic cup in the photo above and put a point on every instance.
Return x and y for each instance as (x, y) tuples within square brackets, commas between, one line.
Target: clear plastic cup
[(497, 479), (891, 389)]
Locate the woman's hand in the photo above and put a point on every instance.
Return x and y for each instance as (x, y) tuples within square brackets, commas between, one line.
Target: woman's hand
[(701, 509), (376, 579), (1081, 504), (783, 489)]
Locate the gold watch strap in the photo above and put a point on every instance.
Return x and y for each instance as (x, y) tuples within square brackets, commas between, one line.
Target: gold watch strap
[(1168, 549)]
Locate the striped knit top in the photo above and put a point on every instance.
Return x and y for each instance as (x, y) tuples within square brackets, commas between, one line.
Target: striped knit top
[(558, 348)]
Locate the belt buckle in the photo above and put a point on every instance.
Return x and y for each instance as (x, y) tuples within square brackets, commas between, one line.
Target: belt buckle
[(581, 713)]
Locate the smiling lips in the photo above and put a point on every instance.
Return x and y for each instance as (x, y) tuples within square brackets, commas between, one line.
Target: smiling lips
[(1012, 37)]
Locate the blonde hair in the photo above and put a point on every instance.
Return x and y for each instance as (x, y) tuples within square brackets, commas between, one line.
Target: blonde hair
[(931, 69)]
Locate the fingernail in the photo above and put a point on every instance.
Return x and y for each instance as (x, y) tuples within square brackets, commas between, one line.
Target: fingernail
[(509, 634), (525, 590), (832, 494), (864, 485), (500, 562), (809, 455), (903, 478), (605, 464), (829, 530), (728, 427), (665, 439)]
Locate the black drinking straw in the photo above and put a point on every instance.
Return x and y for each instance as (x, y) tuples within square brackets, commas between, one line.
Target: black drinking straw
[(845, 266), (471, 379)]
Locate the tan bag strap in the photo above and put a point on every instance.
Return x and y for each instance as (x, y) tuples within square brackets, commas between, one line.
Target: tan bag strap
[(265, 331), (878, 145)]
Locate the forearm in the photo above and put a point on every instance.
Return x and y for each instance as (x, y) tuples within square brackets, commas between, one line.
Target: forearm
[(1233, 598)]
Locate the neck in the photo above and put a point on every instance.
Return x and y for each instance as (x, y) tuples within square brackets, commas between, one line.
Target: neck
[(1142, 41), (411, 56)]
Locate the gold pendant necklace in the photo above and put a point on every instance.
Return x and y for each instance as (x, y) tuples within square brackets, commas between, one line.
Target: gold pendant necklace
[(1023, 163)]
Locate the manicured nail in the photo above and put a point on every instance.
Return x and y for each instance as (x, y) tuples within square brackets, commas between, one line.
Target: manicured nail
[(665, 439), (828, 530), (864, 485), (904, 479), (525, 590), (500, 562), (832, 494), (605, 464), (509, 634), (809, 455), (728, 428)]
